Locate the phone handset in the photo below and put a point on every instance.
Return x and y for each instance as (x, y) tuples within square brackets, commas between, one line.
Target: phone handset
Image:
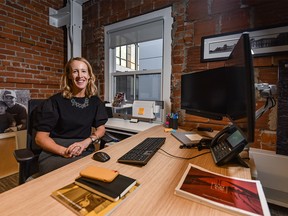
[(220, 136), (227, 145)]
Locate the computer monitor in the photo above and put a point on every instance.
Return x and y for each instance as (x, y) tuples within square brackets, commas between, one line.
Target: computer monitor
[(224, 92)]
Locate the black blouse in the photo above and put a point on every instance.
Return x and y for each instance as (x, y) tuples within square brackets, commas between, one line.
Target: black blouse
[(66, 119)]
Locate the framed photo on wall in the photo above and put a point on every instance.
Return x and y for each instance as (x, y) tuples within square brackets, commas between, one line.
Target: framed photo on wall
[(264, 42), (13, 110)]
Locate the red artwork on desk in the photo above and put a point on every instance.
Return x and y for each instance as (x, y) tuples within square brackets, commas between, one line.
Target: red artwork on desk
[(232, 192)]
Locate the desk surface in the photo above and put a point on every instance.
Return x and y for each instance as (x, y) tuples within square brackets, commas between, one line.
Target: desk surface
[(126, 125), (154, 197)]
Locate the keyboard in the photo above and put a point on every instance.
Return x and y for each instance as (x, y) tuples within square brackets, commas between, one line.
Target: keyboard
[(143, 152)]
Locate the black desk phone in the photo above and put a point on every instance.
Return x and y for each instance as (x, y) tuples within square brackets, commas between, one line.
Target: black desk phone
[(227, 145)]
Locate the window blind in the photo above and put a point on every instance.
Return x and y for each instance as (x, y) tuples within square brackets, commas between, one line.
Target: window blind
[(136, 34)]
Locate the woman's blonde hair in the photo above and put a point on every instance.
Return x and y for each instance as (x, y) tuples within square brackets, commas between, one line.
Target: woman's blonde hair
[(66, 83)]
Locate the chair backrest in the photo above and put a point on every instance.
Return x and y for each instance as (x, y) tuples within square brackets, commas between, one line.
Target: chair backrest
[(30, 142)]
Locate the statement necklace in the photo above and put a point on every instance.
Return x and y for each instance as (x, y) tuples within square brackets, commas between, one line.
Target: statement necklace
[(79, 105)]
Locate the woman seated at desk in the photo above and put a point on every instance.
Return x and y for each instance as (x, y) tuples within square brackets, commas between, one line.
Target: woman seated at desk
[(64, 121)]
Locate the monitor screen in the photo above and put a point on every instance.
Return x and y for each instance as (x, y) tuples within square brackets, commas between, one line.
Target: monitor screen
[(204, 93), (240, 62), (224, 92)]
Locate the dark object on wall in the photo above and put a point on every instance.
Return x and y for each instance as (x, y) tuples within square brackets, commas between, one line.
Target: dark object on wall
[(282, 127)]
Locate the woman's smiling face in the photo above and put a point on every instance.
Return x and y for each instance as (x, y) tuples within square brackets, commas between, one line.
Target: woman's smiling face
[(79, 75)]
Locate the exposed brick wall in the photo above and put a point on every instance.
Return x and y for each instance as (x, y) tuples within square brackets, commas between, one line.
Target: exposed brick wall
[(31, 51), (193, 19)]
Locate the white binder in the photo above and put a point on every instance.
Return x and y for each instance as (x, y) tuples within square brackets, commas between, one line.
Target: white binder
[(143, 109)]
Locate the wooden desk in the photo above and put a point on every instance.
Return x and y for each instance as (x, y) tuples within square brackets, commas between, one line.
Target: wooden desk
[(154, 197)]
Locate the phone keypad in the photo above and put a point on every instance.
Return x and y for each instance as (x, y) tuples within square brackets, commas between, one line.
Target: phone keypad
[(220, 150)]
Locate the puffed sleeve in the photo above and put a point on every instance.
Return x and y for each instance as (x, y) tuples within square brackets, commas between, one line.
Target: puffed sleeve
[(101, 115), (46, 116)]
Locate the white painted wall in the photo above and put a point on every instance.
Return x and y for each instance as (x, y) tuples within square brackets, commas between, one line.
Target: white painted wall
[(272, 170)]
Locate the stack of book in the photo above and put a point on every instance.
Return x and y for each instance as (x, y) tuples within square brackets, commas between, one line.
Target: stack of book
[(234, 195), (89, 196)]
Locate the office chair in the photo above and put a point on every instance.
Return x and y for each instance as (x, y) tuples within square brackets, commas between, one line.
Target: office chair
[(28, 157)]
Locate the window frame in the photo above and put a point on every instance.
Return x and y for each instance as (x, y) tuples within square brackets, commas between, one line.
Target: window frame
[(165, 15)]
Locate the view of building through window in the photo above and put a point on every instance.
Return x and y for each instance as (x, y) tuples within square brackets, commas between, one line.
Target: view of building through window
[(138, 70)]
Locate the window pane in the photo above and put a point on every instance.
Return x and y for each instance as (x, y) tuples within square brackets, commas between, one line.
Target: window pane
[(148, 87), (118, 52), (123, 63), (133, 66), (123, 52), (150, 55), (131, 56), (133, 53), (125, 84)]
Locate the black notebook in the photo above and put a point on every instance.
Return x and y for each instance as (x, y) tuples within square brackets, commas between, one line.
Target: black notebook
[(110, 190)]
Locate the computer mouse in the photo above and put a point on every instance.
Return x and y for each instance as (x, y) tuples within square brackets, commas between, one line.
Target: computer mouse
[(101, 156)]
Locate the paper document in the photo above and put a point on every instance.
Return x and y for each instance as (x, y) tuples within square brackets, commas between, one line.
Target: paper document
[(194, 137)]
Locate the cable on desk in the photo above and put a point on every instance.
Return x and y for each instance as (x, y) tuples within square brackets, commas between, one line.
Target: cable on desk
[(184, 157)]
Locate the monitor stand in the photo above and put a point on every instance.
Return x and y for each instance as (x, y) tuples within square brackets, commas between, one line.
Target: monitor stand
[(239, 160)]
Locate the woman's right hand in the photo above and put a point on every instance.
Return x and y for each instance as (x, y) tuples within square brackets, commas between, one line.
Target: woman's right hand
[(73, 151), (65, 153), (45, 142)]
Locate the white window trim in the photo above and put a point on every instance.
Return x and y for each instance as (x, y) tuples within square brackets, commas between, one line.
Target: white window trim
[(164, 14)]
